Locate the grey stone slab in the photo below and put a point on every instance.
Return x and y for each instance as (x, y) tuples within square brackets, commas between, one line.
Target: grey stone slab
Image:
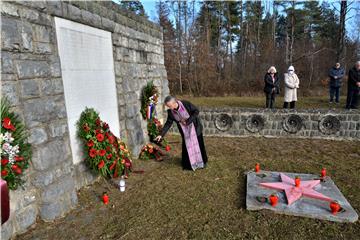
[(53, 153), (26, 217), (37, 136), (32, 69), (304, 207)]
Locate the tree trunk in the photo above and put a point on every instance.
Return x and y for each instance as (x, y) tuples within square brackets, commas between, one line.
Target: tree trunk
[(342, 30)]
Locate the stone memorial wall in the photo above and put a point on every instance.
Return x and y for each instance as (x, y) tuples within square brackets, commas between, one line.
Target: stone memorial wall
[(241, 122), (32, 79)]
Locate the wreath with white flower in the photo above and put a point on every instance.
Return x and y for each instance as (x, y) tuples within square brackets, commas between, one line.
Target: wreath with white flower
[(15, 150)]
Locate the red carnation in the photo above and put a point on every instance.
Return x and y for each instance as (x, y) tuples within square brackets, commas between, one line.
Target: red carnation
[(4, 173), (97, 131), (90, 143), (111, 139), (127, 163), (167, 148), (109, 156), (108, 148), (101, 164), (4, 161), (18, 158), (86, 127), (16, 169), (100, 137), (105, 125), (102, 152), (92, 153), (7, 124), (98, 122)]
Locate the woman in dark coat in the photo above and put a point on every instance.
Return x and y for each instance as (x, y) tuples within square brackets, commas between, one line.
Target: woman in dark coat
[(271, 88), (186, 116)]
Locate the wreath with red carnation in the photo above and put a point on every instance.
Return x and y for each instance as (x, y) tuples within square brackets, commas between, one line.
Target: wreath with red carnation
[(150, 151), (104, 152), (15, 150)]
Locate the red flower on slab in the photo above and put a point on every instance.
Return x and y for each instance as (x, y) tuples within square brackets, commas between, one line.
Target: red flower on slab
[(92, 153), (101, 164), (100, 137), (6, 123), (4, 173), (102, 152), (4, 161), (90, 143), (18, 158), (167, 148)]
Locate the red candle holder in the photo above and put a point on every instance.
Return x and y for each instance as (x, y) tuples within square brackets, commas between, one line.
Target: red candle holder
[(257, 167), (105, 198), (335, 207), (273, 200), (323, 172), (297, 182)]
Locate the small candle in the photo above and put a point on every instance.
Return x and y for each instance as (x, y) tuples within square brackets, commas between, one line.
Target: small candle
[(105, 198), (323, 172), (257, 167), (297, 182), (335, 207), (122, 184), (273, 200)]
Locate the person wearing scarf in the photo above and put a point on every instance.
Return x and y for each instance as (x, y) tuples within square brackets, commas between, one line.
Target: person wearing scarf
[(272, 87), (186, 116), (291, 85)]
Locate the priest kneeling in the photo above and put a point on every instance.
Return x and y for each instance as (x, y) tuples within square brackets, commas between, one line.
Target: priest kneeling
[(186, 116)]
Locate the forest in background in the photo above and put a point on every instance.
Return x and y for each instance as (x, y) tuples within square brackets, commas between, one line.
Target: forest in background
[(217, 48)]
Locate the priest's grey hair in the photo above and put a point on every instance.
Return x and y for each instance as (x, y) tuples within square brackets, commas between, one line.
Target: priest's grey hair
[(169, 99)]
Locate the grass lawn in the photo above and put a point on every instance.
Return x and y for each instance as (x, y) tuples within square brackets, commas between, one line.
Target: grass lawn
[(259, 102), (168, 203)]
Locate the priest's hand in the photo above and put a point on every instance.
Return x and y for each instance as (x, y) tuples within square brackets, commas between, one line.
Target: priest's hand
[(158, 138)]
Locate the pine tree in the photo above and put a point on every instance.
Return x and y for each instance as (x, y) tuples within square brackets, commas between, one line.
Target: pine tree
[(133, 6)]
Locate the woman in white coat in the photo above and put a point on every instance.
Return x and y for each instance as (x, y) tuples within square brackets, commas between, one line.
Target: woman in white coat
[(291, 85)]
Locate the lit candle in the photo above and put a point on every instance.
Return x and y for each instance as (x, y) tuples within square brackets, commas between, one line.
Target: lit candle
[(335, 207), (297, 182), (323, 172), (273, 200), (105, 198), (257, 167)]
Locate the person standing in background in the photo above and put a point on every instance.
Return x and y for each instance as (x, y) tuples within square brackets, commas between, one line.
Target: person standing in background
[(336, 74), (271, 88), (353, 87), (292, 82)]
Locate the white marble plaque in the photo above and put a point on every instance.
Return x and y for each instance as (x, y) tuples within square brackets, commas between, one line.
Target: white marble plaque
[(87, 69)]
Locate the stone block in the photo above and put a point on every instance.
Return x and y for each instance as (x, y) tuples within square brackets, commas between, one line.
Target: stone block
[(29, 88), (29, 14), (50, 154), (6, 63), (49, 211), (54, 8), (32, 69), (42, 110), (56, 191), (9, 90), (7, 230), (26, 217), (10, 34), (26, 37), (43, 48), (37, 136), (58, 129), (73, 12), (9, 9), (41, 33), (51, 86), (107, 24)]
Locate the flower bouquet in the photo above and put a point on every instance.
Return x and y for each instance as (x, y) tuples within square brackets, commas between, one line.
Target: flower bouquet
[(103, 151), (150, 151), (15, 151)]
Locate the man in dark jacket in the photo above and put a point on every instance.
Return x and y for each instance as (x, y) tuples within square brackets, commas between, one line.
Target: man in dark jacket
[(271, 88), (353, 87), (186, 116), (336, 74)]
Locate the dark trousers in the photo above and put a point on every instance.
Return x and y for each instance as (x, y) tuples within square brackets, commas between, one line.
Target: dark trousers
[(335, 91), (352, 98), (292, 104), (270, 100)]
